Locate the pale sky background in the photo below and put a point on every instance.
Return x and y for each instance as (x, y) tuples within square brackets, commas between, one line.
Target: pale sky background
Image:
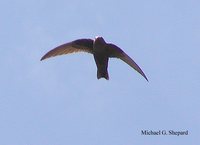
[(59, 101)]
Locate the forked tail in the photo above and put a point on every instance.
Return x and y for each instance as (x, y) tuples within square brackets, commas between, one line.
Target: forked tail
[(102, 74)]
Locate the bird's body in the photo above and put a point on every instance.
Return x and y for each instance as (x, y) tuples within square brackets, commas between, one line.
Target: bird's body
[(101, 58), (101, 51)]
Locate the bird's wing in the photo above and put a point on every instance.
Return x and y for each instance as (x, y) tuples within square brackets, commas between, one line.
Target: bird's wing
[(115, 51), (85, 45)]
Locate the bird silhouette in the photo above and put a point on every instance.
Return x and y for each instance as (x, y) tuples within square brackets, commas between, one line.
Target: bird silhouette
[(101, 51)]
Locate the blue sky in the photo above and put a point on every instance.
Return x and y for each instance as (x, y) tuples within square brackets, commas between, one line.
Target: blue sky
[(59, 101)]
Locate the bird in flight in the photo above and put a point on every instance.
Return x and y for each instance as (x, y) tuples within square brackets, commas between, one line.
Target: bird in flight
[(101, 51)]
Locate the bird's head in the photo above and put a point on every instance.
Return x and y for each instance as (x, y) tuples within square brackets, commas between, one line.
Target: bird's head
[(99, 39)]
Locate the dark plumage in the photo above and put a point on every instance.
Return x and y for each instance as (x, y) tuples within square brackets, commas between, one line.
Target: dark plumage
[(101, 51)]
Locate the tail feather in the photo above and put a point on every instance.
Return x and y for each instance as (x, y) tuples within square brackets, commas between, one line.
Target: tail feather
[(102, 74)]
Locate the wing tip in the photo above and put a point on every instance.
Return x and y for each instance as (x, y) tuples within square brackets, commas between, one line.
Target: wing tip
[(46, 56), (142, 73), (146, 78), (42, 58)]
